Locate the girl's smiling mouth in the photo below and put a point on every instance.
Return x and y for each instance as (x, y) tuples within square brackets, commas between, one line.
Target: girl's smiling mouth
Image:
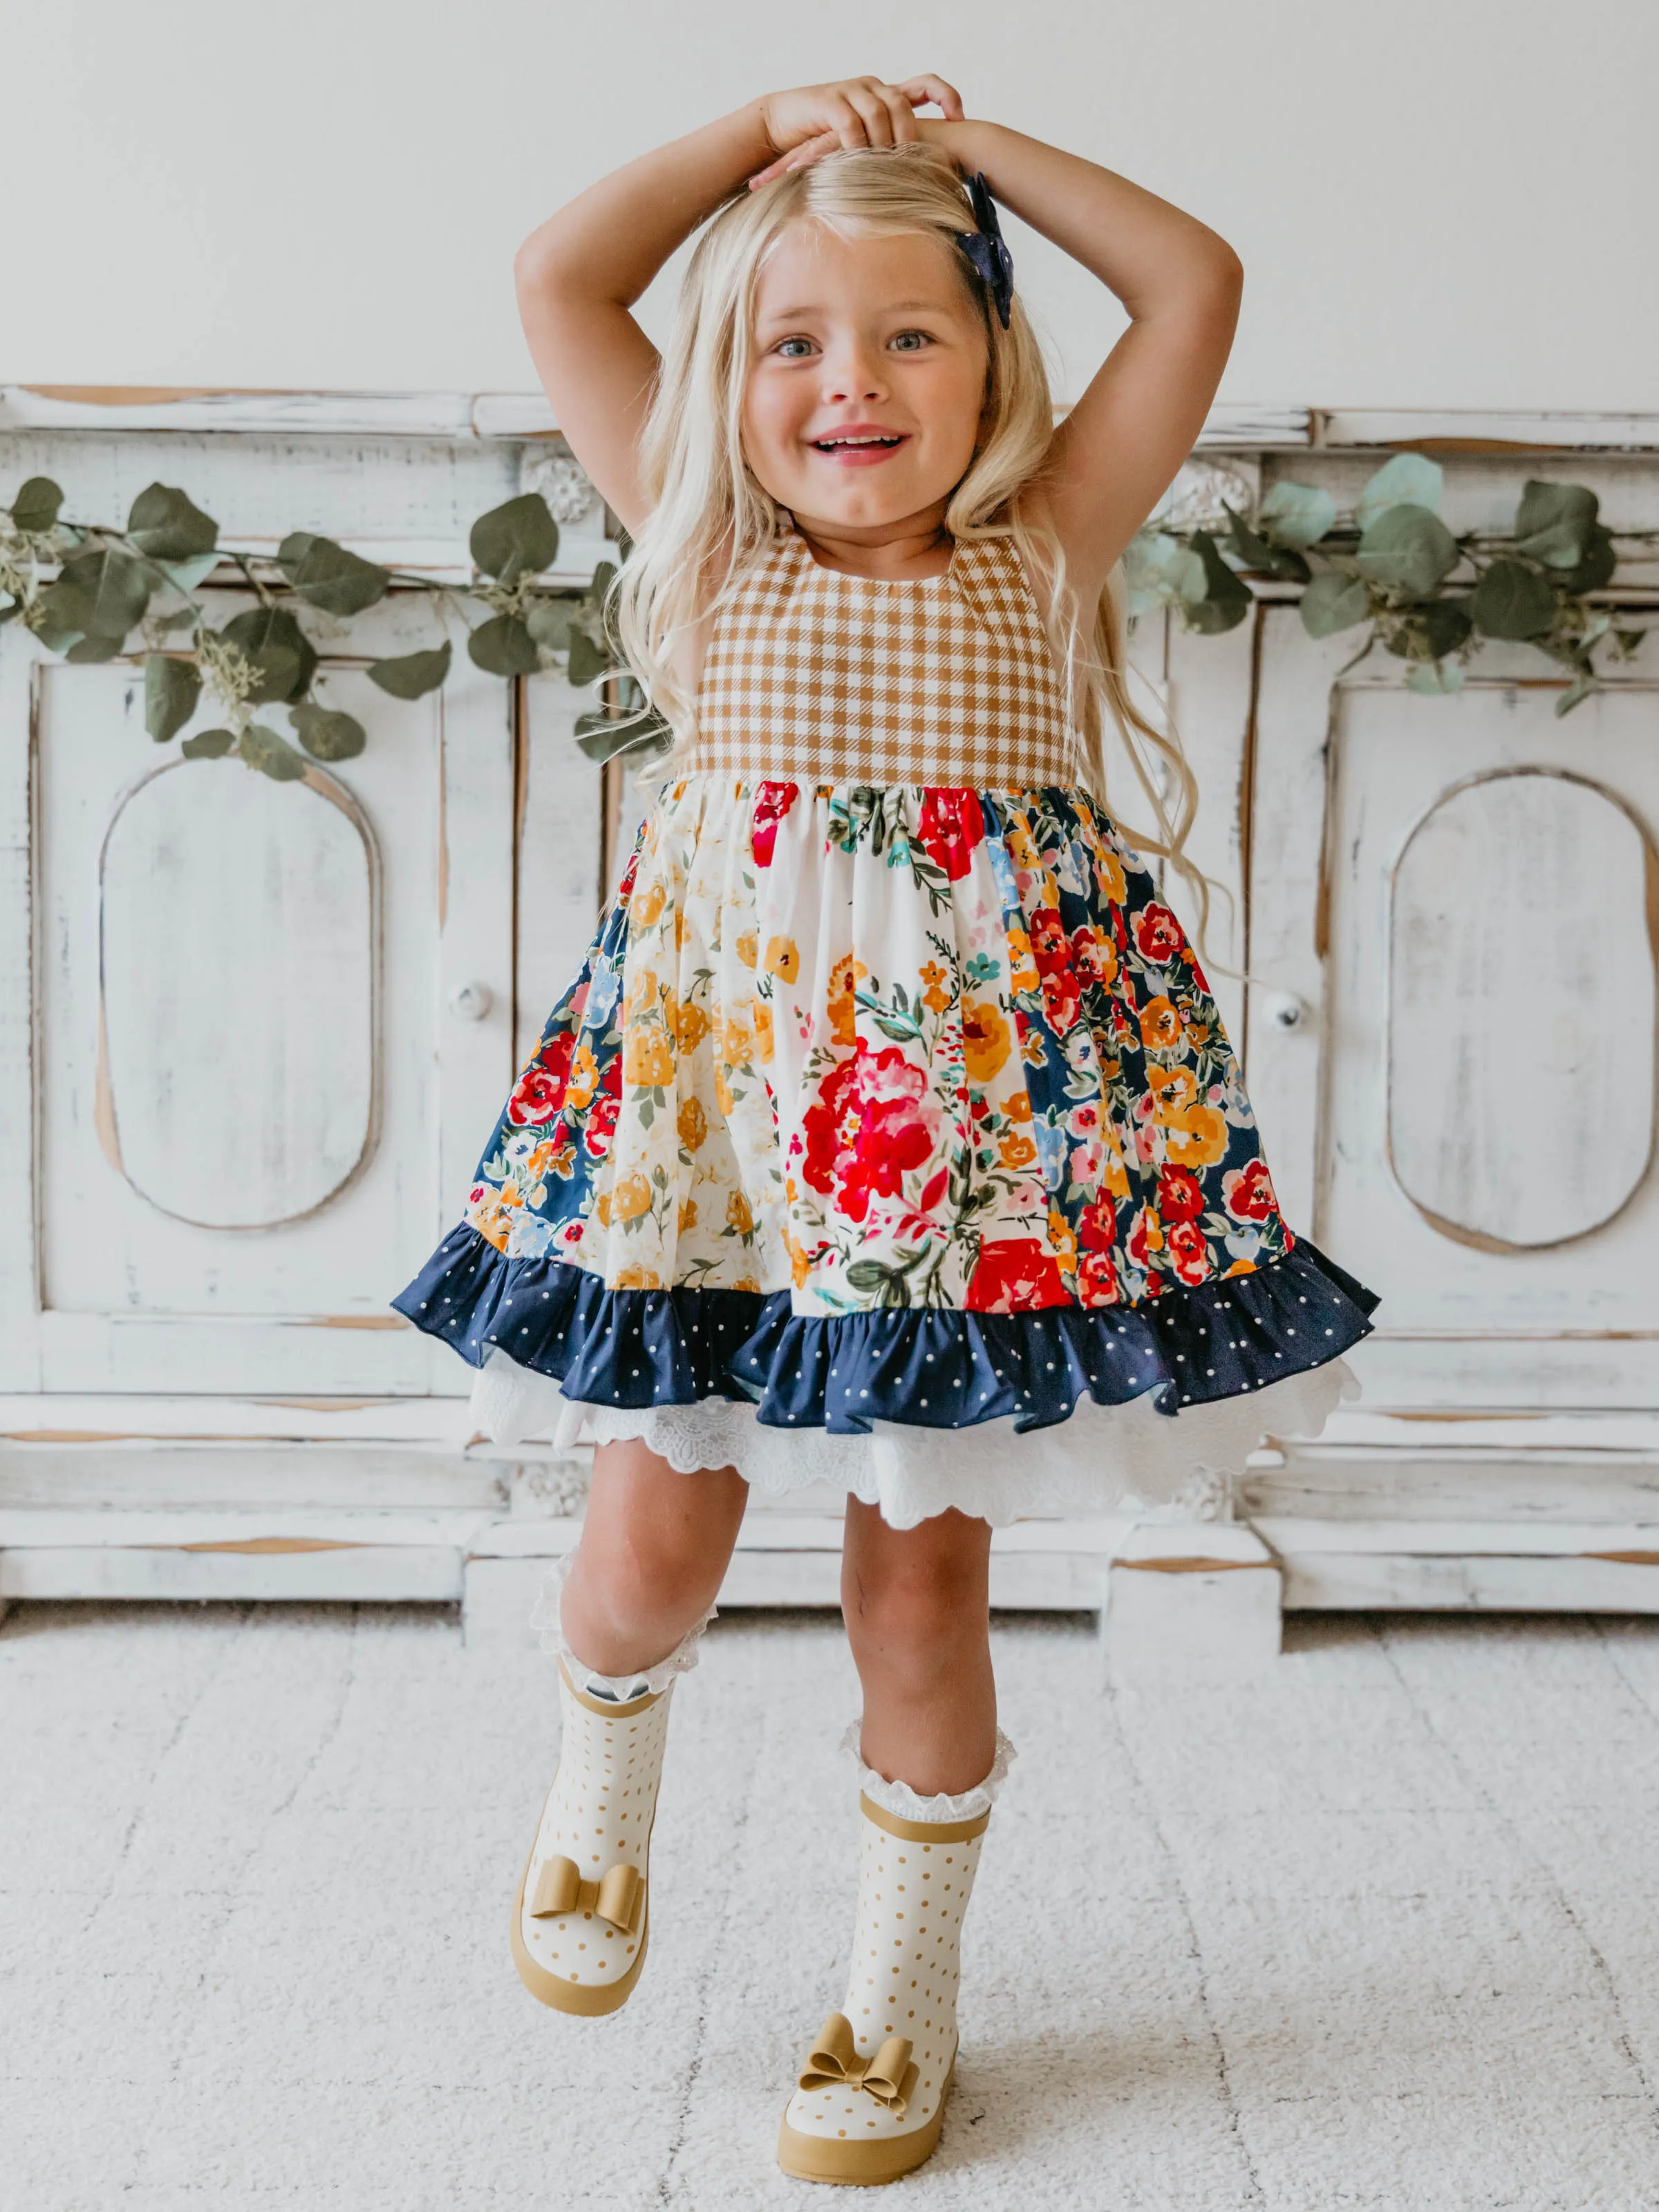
[(858, 445)]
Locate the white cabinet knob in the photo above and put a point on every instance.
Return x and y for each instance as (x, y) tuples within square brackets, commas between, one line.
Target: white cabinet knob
[(471, 1002), (1285, 1012)]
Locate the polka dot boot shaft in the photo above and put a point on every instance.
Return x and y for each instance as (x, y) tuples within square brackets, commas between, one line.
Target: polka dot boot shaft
[(871, 2097), (581, 1918)]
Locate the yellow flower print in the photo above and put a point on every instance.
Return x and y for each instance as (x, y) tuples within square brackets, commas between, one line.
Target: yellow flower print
[(737, 1046), (1022, 963), (682, 929), (636, 1279), (1031, 1049), (723, 1098), (649, 903), (984, 1039), (783, 958), (1197, 1138), (583, 1079), (643, 992), (602, 1207), (1160, 1025), (1108, 874), (934, 996), (648, 1059), (1018, 1107), (1062, 1241), (688, 1215), (764, 1030), (748, 1283), (1015, 1151), (738, 1215), (1173, 1090), (800, 1266), (842, 1005), (690, 1027), (1242, 1267), (1115, 1176), (1022, 846), (631, 1198), (747, 947), (693, 1124)]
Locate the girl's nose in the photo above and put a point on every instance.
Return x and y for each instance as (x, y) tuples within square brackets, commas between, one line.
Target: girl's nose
[(851, 376)]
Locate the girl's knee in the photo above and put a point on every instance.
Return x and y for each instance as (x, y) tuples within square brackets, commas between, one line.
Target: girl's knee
[(913, 1608)]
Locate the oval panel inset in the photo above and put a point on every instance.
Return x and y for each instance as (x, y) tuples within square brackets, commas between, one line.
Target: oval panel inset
[(238, 993), (1523, 1010)]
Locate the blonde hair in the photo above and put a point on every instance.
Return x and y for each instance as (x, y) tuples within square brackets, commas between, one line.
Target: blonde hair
[(709, 519)]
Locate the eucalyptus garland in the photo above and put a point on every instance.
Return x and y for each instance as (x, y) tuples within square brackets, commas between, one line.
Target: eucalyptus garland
[(1391, 571)]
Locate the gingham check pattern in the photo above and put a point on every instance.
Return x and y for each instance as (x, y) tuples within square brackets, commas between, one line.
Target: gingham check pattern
[(945, 680)]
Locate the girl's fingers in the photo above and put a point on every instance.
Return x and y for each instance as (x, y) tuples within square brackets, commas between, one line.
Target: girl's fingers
[(798, 157), (873, 113), (923, 91), (905, 132)]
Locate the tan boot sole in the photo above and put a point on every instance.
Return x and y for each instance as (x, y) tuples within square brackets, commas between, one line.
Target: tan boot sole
[(589, 1999), (838, 2159)]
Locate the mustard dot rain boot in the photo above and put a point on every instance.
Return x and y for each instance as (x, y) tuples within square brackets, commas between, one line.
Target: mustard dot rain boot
[(582, 1916), (870, 2100)]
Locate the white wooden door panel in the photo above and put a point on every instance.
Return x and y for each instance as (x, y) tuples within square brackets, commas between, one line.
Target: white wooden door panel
[(560, 828), (241, 1127)]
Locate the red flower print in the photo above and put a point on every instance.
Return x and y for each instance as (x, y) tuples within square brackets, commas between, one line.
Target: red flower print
[(1093, 954), (1247, 1192), (601, 1124), (1189, 1251), (1096, 1227), (1179, 1195), (772, 802), (540, 1089), (1145, 1237), (870, 1122), (1048, 939), (1097, 1280), (1015, 1274), (1060, 999), (1158, 935), (951, 825), (625, 888)]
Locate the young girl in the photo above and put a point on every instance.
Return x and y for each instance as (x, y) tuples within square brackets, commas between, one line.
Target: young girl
[(889, 1134)]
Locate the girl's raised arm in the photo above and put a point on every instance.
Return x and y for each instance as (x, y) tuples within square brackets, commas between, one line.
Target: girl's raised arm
[(1135, 423), (582, 271)]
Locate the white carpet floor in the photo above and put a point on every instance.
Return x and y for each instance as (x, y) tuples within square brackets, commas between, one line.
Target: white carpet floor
[(1378, 1928)]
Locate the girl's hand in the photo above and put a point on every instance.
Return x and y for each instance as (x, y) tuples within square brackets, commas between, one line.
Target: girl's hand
[(803, 125)]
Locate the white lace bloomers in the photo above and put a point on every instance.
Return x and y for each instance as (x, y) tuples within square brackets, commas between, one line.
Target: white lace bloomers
[(889, 1134)]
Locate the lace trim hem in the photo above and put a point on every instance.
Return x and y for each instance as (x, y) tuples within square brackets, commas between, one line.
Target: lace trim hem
[(639, 1682), (899, 1799)]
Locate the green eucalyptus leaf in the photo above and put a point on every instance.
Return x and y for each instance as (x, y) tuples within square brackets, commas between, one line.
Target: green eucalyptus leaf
[(412, 675), (1553, 522), (1162, 570), (185, 575), (208, 745), (548, 622), (168, 525), (327, 733), (518, 538), (56, 640), (588, 661), (1295, 515), (1408, 480), (37, 505), (328, 577), (1438, 678), (1576, 692), (172, 688), (1257, 553), (1597, 564), (602, 737), (1429, 631), (1407, 550), (94, 649), (272, 756), (279, 649), (1512, 601), (101, 593), (1226, 601), (1333, 602), (503, 646)]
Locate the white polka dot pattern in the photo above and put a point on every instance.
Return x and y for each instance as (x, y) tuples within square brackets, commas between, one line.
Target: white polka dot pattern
[(599, 1815), (902, 1981)]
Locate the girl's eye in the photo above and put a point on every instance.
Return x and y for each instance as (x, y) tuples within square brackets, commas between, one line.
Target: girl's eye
[(794, 348), (911, 341)]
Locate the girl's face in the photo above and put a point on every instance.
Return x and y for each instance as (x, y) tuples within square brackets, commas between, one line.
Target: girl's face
[(868, 381)]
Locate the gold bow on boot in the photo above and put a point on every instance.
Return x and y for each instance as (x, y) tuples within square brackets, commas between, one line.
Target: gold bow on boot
[(834, 2062), (616, 1898)]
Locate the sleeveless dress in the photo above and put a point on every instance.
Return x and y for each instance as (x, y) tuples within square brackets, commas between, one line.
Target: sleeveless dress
[(889, 1134)]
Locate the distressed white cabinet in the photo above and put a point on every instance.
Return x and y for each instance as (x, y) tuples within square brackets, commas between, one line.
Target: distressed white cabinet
[(252, 1035)]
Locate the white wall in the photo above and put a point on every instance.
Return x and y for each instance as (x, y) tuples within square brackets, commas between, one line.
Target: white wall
[(1441, 203)]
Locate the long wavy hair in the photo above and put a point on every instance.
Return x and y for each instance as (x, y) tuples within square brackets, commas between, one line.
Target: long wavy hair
[(709, 519)]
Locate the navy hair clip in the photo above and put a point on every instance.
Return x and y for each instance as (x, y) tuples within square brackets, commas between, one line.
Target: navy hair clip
[(987, 250)]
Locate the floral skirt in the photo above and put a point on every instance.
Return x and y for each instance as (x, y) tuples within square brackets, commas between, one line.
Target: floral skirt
[(889, 1135)]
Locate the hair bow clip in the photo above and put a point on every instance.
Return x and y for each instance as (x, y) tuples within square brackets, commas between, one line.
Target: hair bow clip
[(987, 250)]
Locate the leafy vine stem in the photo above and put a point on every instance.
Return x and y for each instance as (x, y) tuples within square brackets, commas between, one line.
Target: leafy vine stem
[(1392, 571)]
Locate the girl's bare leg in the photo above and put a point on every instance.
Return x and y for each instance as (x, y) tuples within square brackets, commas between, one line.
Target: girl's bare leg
[(917, 1606), (653, 1550)]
